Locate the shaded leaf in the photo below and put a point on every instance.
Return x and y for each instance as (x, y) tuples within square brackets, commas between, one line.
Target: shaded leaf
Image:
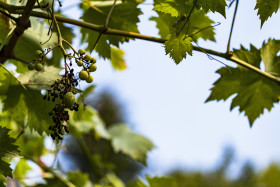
[(269, 56), (266, 9), (7, 150), (213, 5), (254, 93), (40, 80)]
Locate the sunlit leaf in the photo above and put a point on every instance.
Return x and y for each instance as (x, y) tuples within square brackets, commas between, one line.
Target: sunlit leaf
[(132, 144)]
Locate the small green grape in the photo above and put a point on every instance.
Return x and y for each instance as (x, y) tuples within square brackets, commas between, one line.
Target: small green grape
[(44, 3), (89, 79), (80, 63), (92, 60), (88, 57), (39, 67), (69, 100), (83, 75), (82, 51), (39, 52), (92, 68), (31, 66)]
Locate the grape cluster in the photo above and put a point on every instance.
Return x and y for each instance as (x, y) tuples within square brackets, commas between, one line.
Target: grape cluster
[(88, 64), (37, 62), (63, 90)]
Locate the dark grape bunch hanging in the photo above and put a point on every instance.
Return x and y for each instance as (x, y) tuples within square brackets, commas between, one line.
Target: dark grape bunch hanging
[(63, 90)]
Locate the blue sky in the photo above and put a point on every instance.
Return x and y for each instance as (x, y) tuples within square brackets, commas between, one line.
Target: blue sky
[(165, 101)]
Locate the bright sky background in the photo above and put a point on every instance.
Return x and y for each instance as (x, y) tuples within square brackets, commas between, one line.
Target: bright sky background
[(165, 101)]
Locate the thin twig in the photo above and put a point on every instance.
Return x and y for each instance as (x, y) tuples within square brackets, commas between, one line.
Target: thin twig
[(105, 25), (21, 132), (117, 32), (22, 25), (187, 20), (232, 24), (204, 29), (8, 15)]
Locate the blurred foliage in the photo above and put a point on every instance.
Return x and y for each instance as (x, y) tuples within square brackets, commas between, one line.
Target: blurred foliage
[(220, 176), (111, 111)]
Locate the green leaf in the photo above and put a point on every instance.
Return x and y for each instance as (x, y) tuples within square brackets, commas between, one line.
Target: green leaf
[(32, 144), (117, 59), (163, 23), (85, 93), (161, 181), (7, 150), (78, 178), (178, 47), (111, 180), (254, 93), (169, 8), (132, 144), (40, 80), (266, 9), (87, 120), (21, 170), (269, 56), (173, 7), (199, 25), (30, 41), (213, 5), (124, 17), (154, 182), (38, 109), (2, 181)]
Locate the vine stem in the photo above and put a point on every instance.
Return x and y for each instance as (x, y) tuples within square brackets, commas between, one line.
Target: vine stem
[(105, 25), (98, 28), (22, 24), (232, 25)]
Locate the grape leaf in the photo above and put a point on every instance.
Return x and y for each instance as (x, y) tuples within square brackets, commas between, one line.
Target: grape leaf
[(117, 59), (269, 56), (85, 121), (254, 93), (78, 178), (32, 144), (132, 144), (2, 181), (178, 47), (266, 9), (124, 17), (40, 80), (21, 170), (213, 5), (173, 7), (110, 179), (154, 182), (7, 150)]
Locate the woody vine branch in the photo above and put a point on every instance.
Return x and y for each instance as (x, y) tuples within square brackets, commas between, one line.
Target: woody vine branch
[(100, 28)]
